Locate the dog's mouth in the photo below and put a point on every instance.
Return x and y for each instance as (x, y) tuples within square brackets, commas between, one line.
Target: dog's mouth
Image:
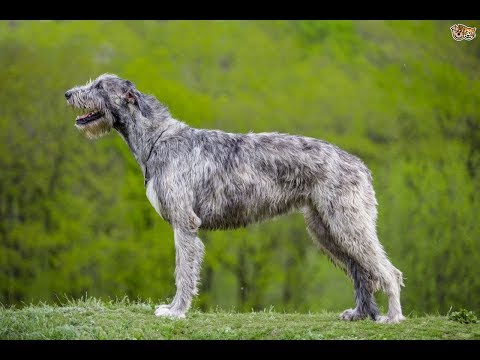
[(89, 117)]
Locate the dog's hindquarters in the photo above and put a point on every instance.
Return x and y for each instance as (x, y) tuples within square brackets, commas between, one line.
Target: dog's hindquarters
[(343, 221), (363, 285)]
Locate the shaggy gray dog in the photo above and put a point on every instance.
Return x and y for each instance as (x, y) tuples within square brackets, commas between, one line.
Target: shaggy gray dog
[(210, 179)]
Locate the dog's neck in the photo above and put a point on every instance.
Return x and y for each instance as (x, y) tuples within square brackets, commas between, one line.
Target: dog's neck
[(143, 135)]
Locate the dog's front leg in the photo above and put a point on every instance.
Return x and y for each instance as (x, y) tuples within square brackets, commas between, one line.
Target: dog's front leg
[(189, 251)]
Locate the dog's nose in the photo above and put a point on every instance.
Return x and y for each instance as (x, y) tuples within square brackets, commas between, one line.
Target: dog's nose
[(68, 95)]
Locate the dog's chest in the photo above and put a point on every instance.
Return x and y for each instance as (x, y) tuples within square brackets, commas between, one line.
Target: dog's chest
[(153, 198)]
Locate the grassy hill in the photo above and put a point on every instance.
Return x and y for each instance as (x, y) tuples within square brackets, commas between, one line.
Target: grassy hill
[(95, 319)]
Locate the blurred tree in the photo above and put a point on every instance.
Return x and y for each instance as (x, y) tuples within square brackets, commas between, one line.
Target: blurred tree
[(402, 95)]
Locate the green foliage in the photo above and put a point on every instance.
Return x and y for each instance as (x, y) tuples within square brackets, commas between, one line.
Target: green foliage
[(463, 316), (403, 95), (90, 318)]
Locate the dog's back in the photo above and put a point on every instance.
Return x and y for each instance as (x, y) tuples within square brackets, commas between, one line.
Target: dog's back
[(238, 179)]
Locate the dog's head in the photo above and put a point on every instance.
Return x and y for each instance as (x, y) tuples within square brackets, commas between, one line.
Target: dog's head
[(458, 31), (470, 33), (106, 102)]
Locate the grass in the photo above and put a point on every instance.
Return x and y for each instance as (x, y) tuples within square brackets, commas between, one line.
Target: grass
[(123, 319)]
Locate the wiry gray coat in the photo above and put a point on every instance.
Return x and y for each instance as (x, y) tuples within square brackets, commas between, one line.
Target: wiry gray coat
[(210, 179)]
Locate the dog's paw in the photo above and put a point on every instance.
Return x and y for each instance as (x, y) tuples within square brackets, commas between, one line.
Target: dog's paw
[(165, 311), (351, 315), (390, 319), (164, 306)]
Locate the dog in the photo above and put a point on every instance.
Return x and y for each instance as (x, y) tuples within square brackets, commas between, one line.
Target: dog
[(209, 179), (470, 33)]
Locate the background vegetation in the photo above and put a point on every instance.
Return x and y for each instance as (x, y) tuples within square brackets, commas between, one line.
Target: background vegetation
[(402, 95)]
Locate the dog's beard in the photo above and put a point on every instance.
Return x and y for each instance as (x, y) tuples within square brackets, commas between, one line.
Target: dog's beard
[(96, 128)]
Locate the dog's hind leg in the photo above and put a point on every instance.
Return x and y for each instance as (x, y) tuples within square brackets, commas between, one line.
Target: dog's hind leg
[(364, 290), (350, 217), (189, 251)]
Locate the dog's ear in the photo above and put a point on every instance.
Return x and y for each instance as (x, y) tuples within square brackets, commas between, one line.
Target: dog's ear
[(133, 99), (130, 97), (143, 107)]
